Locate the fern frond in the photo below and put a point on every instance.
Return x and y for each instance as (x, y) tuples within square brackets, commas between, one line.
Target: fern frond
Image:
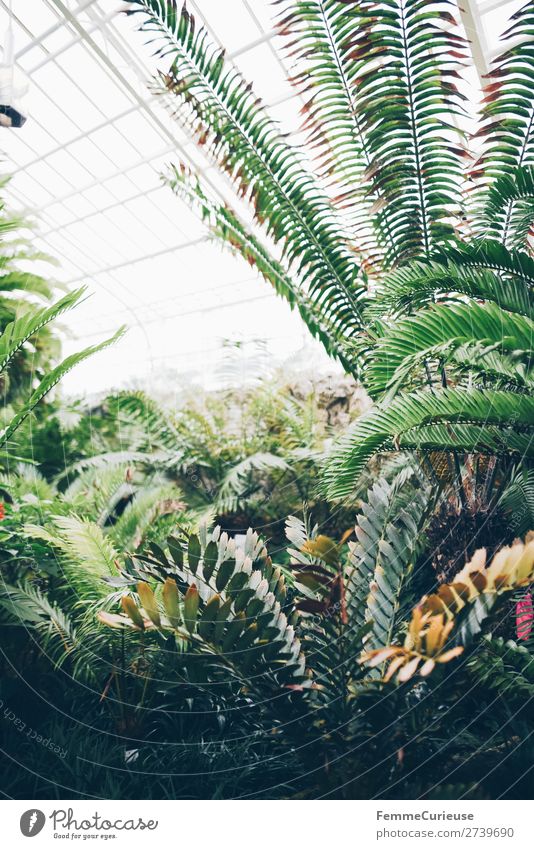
[(462, 606), (517, 501), (326, 324), (319, 40), (238, 481), (419, 283), (17, 332), (389, 532), (51, 379), (432, 331), (227, 117), (407, 99), (28, 606), (89, 556), (508, 212), (223, 600), (508, 111), (475, 420), (150, 502), (505, 666)]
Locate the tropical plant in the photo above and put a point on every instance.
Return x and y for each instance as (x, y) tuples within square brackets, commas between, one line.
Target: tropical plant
[(27, 348), (245, 457), (406, 254), (366, 660), (301, 652)]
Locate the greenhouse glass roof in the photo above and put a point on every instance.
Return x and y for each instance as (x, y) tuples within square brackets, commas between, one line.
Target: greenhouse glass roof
[(87, 164)]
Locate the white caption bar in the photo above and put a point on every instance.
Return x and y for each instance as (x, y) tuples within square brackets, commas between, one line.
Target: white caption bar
[(268, 824)]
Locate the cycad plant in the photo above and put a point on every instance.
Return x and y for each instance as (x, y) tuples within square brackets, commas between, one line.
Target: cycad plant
[(402, 239), (311, 655)]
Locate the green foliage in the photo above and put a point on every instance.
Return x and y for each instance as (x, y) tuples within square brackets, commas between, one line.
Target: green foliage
[(504, 666), (380, 114), (229, 597), (471, 419), (390, 534), (313, 671), (225, 114)]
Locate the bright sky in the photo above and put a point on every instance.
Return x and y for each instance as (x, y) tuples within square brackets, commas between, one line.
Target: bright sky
[(87, 166)]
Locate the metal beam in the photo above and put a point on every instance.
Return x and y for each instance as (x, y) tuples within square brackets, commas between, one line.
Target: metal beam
[(136, 260), (470, 16)]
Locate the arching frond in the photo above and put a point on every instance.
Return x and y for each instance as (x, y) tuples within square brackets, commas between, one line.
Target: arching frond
[(489, 253), (224, 113), (241, 480), (141, 513), (224, 601), (518, 501), (389, 532), (101, 462), (508, 111), (458, 609), (329, 326), (472, 420), (407, 99), (420, 283), (26, 605), (320, 41), (508, 211), (89, 557), (51, 379), (433, 330), (149, 426), (17, 333)]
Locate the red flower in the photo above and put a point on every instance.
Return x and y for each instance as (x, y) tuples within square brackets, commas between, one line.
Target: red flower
[(2, 511)]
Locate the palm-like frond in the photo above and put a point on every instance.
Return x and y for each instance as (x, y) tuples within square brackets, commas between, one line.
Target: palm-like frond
[(456, 273), (101, 462), (481, 365), (457, 610), (25, 480), (472, 420), (319, 37), (51, 379), (326, 325), (17, 333), (389, 532), (508, 115), (89, 556), (142, 512), (518, 501), (492, 254), (508, 211), (504, 666), (97, 491), (148, 425), (242, 480), (431, 332), (407, 99), (225, 114), (224, 601), (26, 605), (25, 281)]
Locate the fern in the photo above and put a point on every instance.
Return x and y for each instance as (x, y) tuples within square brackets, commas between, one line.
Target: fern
[(473, 420), (89, 557)]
